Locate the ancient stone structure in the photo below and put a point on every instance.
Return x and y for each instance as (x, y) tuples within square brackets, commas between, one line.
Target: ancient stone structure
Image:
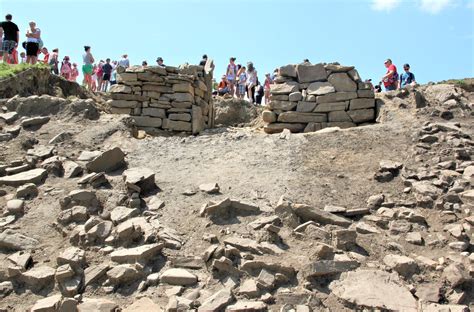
[(308, 98), (168, 98)]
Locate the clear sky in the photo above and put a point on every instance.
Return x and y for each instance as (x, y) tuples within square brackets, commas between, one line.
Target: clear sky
[(434, 36)]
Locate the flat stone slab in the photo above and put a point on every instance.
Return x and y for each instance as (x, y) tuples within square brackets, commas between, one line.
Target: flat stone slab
[(35, 176), (374, 289), (41, 151), (132, 255), (107, 161), (308, 213), (139, 179), (16, 241), (178, 277)]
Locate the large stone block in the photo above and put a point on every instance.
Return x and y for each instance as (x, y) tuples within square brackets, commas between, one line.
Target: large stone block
[(336, 97), (122, 104), (342, 82), (320, 88), (183, 88), (362, 115), (180, 117), (296, 117), (330, 107), (281, 105), (311, 73), (288, 71), (157, 88), (120, 88), (284, 88), (148, 76), (279, 127), (198, 123), (361, 104), (183, 97), (145, 121), (177, 125), (126, 77), (305, 107), (366, 93), (339, 116), (154, 112), (269, 116), (129, 97), (354, 74)]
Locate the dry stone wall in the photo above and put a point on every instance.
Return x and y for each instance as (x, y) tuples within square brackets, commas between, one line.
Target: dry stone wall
[(167, 98), (308, 98)]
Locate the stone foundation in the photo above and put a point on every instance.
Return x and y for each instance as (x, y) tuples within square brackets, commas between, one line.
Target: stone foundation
[(167, 98), (308, 98)]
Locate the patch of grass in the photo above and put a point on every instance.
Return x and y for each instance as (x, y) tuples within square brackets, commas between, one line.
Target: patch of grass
[(7, 70)]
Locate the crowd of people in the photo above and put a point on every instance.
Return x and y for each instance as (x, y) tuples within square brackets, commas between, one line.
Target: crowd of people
[(242, 82), (238, 81)]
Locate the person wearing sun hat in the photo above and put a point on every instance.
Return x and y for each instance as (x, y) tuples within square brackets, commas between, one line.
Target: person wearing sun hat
[(159, 62)]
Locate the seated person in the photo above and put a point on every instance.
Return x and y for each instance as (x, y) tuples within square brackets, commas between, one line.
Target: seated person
[(223, 87), (407, 78)]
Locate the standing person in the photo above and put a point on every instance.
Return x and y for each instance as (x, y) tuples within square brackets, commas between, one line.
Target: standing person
[(407, 78), (66, 68), (88, 68), (100, 75), (124, 62), (159, 62), (390, 80), (145, 64), (45, 52), (74, 72), (203, 61), (259, 92), (231, 74), (94, 78), (11, 36), (113, 78), (242, 75), (251, 81), (54, 61), (266, 87), (22, 57), (33, 37), (107, 74)]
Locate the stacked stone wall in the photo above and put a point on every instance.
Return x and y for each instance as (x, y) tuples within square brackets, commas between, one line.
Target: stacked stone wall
[(308, 98), (166, 98)]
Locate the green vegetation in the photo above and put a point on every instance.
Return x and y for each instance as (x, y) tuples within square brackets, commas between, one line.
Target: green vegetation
[(7, 70)]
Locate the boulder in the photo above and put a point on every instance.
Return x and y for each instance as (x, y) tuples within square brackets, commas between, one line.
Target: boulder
[(178, 277), (342, 82), (362, 115), (296, 117), (11, 240), (39, 277), (107, 161), (308, 213), (404, 266), (284, 88), (120, 214), (97, 305), (35, 121), (36, 176), (141, 305), (374, 290), (247, 306), (320, 88), (311, 73), (138, 254), (141, 179), (27, 191), (123, 274), (48, 304), (281, 105), (288, 71), (216, 302), (329, 267), (73, 256), (361, 104)]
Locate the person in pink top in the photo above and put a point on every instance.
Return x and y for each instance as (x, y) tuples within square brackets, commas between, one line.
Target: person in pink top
[(66, 68), (266, 87), (74, 73)]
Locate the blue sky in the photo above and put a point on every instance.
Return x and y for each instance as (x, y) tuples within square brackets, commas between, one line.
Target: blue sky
[(434, 36)]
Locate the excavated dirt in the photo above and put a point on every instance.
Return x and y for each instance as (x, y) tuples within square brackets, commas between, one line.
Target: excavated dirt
[(330, 167)]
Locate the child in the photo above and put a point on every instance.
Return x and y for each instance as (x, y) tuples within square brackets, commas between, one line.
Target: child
[(266, 87), (74, 73), (242, 75), (231, 75), (107, 72), (66, 68)]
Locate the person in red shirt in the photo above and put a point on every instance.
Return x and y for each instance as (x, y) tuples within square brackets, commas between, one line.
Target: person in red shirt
[(390, 80), (223, 87), (45, 52)]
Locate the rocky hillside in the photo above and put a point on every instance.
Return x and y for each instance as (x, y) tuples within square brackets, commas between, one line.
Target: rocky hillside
[(378, 217)]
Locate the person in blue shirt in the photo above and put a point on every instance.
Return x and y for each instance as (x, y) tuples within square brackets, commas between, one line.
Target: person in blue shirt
[(407, 78)]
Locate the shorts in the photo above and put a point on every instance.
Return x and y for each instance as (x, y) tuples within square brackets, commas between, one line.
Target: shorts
[(391, 87), (32, 49), (106, 77), (87, 69), (242, 89), (231, 78), (8, 46)]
